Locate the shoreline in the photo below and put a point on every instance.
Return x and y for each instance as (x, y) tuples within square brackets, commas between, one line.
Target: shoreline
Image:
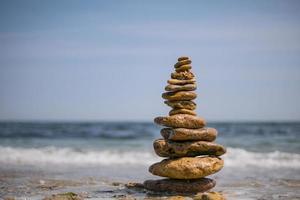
[(109, 182)]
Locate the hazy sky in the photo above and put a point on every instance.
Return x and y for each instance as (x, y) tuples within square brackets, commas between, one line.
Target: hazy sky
[(110, 60)]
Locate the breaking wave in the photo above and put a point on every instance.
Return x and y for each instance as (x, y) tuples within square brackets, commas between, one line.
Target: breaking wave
[(234, 157)]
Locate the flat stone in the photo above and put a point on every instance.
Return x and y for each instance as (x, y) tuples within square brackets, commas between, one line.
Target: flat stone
[(179, 96), (173, 149), (135, 186), (182, 62), (175, 88), (180, 186), (183, 134), (64, 196), (181, 121), (187, 167), (183, 58), (9, 198), (181, 82), (186, 75), (190, 105), (183, 68), (182, 111)]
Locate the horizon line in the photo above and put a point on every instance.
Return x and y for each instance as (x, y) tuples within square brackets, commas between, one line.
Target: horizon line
[(143, 121)]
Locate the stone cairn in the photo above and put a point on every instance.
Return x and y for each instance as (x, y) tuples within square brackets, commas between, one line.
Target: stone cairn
[(188, 144)]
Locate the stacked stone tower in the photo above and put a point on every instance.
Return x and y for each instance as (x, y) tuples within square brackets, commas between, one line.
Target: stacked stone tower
[(188, 145)]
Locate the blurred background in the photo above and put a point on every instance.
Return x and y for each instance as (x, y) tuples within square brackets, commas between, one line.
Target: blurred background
[(81, 81), (109, 60)]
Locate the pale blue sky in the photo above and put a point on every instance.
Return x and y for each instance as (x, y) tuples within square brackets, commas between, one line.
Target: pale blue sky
[(110, 60)]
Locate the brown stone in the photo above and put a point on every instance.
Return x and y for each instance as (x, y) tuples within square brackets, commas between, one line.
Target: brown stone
[(179, 96), (183, 68), (173, 149), (186, 75), (175, 88), (181, 121), (180, 186), (184, 134), (181, 82), (187, 167), (190, 105), (209, 196), (64, 196), (135, 186), (182, 111), (183, 58), (182, 62), (9, 198)]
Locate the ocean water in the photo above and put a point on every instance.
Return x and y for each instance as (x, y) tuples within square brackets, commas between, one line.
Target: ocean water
[(262, 159)]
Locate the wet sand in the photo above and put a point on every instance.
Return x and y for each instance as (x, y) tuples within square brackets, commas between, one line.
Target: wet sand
[(109, 182)]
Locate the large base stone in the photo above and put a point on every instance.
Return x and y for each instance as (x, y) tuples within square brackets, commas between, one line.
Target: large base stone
[(180, 186), (187, 167)]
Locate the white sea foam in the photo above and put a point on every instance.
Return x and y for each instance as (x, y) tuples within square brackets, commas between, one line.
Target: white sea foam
[(241, 157), (54, 155)]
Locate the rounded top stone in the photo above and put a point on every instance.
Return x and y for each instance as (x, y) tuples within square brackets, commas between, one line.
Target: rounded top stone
[(183, 58)]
